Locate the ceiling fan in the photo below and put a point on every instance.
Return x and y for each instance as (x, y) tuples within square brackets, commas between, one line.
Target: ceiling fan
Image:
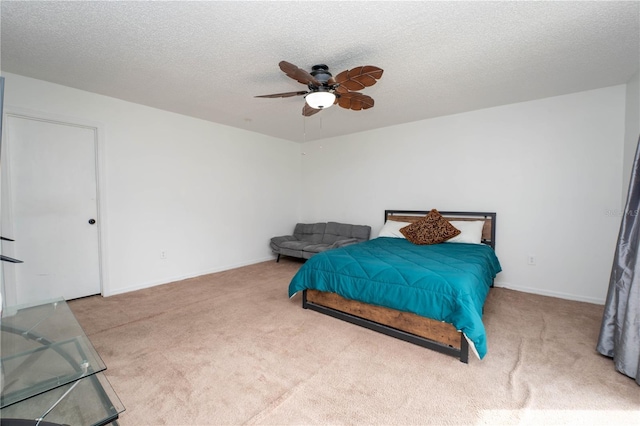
[(326, 90)]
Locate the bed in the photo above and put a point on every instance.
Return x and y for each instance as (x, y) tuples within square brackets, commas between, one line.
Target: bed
[(429, 295)]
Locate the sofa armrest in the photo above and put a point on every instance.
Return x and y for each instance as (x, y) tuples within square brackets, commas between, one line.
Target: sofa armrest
[(343, 243)]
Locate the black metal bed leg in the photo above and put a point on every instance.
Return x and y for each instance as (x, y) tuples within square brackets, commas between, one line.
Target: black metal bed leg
[(278, 258), (464, 349)]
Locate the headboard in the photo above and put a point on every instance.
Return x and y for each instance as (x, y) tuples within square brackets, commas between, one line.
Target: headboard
[(488, 231)]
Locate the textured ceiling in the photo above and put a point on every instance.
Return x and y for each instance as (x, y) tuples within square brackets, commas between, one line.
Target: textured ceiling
[(209, 59)]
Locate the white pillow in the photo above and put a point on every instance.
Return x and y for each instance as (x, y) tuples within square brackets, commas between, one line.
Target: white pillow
[(470, 231), (391, 229)]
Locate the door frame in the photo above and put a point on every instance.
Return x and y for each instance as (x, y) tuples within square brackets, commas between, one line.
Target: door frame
[(7, 201)]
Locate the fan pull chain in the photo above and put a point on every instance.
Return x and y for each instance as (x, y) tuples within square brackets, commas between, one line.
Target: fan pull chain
[(304, 129)]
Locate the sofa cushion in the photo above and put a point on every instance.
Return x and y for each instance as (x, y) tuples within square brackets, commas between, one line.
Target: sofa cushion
[(294, 245), (347, 242), (340, 231), (307, 254), (294, 248), (310, 232), (293, 253), (276, 242), (361, 232), (317, 248)]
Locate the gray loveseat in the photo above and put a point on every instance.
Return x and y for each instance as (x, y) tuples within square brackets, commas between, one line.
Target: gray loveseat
[(311, 238)]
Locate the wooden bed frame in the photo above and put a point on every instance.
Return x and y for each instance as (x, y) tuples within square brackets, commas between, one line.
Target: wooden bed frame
[(437, 335)]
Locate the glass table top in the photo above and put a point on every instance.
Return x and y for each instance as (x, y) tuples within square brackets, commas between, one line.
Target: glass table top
[(44, 356)]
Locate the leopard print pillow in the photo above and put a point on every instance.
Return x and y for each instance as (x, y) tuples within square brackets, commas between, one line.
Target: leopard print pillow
[(431, 229)]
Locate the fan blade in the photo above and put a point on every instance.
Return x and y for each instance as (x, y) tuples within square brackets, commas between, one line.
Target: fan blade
[(298, 74), (308, 111), (360, 77), (282, 95), (355, 101), (341, 89)]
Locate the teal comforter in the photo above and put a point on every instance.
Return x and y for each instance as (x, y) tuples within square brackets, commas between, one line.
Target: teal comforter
[(447, 282)]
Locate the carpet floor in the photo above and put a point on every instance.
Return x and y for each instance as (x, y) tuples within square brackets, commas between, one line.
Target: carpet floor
[(231, 348)]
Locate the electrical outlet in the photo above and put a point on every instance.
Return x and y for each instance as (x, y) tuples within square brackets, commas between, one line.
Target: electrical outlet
[(163, 254), (531, 260)]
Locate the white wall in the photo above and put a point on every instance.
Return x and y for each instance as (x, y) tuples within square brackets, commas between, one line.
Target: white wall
[(209, 195), (550, 168), (632, 130)]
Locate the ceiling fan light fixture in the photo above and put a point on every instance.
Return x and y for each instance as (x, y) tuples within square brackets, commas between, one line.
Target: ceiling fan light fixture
[(320, 99)]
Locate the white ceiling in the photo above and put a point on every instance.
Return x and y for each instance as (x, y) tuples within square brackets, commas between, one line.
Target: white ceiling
[(209, 59)]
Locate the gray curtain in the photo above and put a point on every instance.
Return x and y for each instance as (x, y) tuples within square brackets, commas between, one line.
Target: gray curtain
[(620, 330)]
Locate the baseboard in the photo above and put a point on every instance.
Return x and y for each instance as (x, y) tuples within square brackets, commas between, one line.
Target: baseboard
[(509, 286), (558, 294), (168, 280)]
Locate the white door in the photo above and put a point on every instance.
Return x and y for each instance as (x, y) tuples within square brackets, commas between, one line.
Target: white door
[(53, 186)]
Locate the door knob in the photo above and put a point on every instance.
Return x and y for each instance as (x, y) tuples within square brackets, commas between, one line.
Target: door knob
[(92, 221)]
